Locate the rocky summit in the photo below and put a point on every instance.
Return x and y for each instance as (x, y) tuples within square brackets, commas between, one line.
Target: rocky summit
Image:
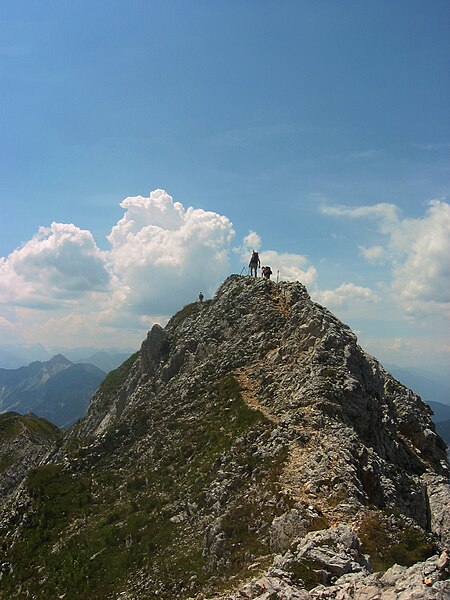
[(250, 449)]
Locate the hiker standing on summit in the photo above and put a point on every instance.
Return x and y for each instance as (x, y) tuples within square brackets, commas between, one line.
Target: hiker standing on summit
[(254, 263)]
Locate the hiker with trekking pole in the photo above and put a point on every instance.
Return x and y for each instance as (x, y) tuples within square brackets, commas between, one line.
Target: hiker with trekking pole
[(254, 263)]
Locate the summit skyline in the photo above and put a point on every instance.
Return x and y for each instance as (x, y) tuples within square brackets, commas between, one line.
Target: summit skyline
[(147, 149)]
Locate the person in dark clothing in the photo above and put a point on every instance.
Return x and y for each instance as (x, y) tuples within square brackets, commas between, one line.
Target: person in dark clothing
[(200, 297), (254, 263), (266, 272)]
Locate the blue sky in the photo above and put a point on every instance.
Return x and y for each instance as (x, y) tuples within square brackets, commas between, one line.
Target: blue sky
[(322, 127)]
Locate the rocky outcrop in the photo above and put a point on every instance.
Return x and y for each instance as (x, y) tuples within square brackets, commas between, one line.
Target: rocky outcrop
[(326, 557), (249, 443)]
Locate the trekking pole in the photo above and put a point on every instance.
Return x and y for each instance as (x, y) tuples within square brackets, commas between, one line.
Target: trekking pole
[(278, 274), (242, 270)]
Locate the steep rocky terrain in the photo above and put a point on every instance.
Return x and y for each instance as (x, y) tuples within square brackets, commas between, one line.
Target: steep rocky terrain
[(251, 445), (24, 442), (57, 389)]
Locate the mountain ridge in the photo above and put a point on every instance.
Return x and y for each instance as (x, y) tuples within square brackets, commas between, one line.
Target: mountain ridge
[(250, 439), (106, 359), (25, 440)]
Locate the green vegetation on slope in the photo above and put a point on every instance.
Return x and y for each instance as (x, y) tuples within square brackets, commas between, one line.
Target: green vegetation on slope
[(11, 424), (97, 526), (389, 540), (116, 378), (32, 428)]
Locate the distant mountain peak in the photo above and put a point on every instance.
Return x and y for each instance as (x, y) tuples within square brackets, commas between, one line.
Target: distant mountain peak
[(57, 389), (60, 358)]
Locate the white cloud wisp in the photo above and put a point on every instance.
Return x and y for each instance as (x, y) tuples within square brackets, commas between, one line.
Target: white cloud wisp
[(344, 295)]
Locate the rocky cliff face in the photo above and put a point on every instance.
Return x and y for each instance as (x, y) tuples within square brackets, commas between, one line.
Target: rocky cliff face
[(250, 438)]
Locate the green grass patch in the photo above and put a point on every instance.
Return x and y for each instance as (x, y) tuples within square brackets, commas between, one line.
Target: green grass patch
[(118, 376), (58, 495), (389, 540), (5, 463), (41, 427), (12, 424), (242, 544), (93, 528)]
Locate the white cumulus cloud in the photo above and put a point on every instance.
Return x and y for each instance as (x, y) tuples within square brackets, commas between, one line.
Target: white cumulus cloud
[(60, 264), (424, 272), (252, 241), (163, 254), (287, 266), (344, 295), (418, 249), (63, 287)]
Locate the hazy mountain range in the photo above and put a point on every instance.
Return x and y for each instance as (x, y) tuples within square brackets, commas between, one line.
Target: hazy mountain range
[(57, 389), (433, 390), (16, 356), (431, 386)]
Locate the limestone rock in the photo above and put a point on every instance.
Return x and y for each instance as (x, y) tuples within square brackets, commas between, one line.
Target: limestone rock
[(251, 445)]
